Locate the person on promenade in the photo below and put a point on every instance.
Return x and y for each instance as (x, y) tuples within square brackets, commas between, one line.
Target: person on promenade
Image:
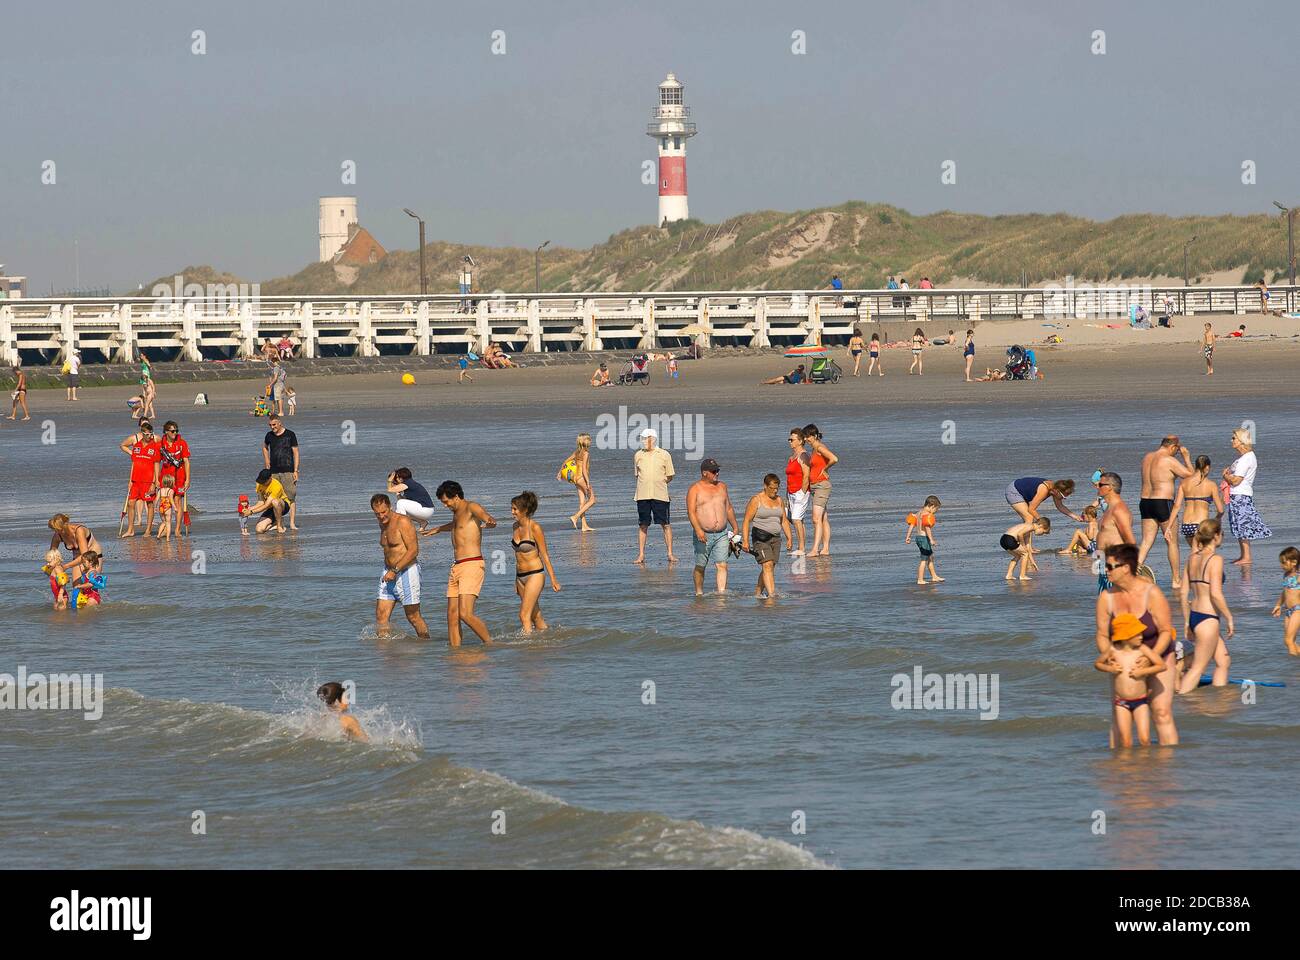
[(1160, 471), (532, 561), (1244, 520), (465, 580), (819, 484), (1202, 600), (1138, 597), (708, 507), (1207, 349), (20, 394), (577, 470), (146, 463), (1264, 297), (653, 468), (280, 456), (765, 521), (1195, 494), (1116, 526), (798, 474), (400, 581)]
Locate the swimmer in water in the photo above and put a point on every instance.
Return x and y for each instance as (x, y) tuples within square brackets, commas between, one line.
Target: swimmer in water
[(335, 696), (1131, 663), (1016, 542)]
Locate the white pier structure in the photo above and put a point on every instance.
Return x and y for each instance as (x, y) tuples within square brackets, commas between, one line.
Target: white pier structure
[(120, 329)]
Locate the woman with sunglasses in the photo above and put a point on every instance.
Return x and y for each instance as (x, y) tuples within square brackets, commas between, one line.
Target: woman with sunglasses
[(1138, 597)]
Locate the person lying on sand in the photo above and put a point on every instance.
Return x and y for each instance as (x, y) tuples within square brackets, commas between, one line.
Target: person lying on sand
[(796, 375)]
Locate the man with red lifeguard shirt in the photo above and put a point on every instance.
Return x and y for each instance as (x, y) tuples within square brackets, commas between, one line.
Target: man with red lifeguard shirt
[(175, 454), (144, 450)]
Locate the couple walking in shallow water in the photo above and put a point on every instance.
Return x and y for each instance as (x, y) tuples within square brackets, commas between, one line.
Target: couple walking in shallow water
[(808, 483)]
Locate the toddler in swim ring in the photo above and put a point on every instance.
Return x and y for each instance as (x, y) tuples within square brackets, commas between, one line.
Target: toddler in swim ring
[(1288, 605), (89, 580), (1085, 539), (923, 523), (1130, 661)]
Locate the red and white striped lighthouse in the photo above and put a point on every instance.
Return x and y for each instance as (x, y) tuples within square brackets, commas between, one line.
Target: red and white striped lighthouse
[(671, 126)]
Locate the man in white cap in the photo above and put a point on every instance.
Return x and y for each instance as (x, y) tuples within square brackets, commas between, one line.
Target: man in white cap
[(654, 470), (73, 368)]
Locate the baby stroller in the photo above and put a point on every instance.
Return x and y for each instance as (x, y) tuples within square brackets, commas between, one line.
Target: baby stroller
[(636, 371), (824, 370), (1018, 365)]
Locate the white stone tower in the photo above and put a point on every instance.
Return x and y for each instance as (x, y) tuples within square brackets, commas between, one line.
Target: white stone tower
[(671, 127), (336, 215)]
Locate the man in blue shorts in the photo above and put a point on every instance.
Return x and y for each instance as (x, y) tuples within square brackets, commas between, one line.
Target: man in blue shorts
[(400, 582), (709, 509)]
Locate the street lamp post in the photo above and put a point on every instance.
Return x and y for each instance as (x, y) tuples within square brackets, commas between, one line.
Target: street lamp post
[(1290, 238), (537, 267), (424, 282), (1185, 246)]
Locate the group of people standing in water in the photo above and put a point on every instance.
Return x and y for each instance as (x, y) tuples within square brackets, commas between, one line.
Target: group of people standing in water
[(1136, 640)]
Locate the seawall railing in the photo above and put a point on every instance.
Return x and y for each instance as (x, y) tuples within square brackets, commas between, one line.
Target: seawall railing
[(215, 326)]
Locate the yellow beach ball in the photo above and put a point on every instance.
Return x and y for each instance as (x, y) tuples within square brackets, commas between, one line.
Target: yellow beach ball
[(408, 379)]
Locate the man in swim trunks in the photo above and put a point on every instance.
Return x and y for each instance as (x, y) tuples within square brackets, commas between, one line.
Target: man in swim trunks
[(146, 461), (1115, 526), (175, 453), (400, 582), (709, 509), (798, 477), (465, 581), (1160, 470)]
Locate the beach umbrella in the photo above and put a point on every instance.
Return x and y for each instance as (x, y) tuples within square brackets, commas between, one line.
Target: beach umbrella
[(693, 330), (807, 350)]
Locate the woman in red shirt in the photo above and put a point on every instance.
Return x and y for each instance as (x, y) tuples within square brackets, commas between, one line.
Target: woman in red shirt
[(820, 484)]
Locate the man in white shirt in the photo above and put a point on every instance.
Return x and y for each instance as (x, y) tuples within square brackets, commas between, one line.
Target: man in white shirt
[(654, 471)]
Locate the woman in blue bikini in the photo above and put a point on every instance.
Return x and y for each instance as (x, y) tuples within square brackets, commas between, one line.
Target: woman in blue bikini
[(1195, 494), (1203, 603)]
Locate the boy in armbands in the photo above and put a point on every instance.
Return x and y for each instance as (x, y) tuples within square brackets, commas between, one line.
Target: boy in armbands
[(922, 523)]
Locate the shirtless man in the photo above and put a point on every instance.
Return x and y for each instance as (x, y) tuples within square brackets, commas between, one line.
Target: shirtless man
[(1160, 469), (401, 580), (709, 509), (467, 569), (1116, 524)]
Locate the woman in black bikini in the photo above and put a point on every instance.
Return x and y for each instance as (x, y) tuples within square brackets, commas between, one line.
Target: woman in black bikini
[(1141, 598), (1202, 601), (532, 561), (1195, 494)]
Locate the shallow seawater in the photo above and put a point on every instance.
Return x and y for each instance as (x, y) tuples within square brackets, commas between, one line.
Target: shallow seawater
[(540, 751)]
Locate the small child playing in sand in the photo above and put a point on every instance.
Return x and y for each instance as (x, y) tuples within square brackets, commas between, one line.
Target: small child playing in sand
[(1131, 663), (923, 523), (291, 397), (1288, 605), (1015, 542), (335, 696), (166, 492), (1084, 539), (671, 366)]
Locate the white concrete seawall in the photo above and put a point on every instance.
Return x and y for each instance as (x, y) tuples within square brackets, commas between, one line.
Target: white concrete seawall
[(215, 326)]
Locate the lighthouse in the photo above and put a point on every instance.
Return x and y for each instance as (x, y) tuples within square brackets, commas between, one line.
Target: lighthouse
[(671, 126)]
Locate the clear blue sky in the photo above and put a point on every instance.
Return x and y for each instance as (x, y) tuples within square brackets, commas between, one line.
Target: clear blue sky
[(165, 158)]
